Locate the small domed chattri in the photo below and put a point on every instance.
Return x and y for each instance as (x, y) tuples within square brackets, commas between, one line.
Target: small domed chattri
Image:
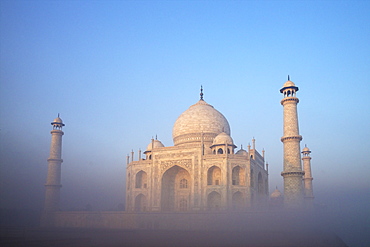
[(276, 193), (241, 151), (155, 144), (223, 138)]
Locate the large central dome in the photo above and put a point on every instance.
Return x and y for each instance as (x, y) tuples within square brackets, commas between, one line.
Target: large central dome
[(200, 119)]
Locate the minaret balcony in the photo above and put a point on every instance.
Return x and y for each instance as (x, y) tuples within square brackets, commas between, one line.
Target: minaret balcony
[(290, 100), (290, 138), (57, 160), (53, 185), (292, 174)]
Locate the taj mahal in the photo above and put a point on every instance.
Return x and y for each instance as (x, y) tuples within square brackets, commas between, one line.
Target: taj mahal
[(202, 176), (202, 171)]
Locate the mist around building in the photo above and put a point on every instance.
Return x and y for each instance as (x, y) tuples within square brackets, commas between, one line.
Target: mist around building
[(199, 192)]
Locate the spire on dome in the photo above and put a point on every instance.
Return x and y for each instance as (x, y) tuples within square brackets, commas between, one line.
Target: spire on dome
[(288, 78), (201, 92)]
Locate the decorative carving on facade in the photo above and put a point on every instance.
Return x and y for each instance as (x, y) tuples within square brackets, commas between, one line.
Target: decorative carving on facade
[(238, 190), (209, 190), (185, 163), (214, 164), (173, 155), (236, 164)]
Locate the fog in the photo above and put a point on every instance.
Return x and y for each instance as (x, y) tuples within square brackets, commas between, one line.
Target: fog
[(339, 209)]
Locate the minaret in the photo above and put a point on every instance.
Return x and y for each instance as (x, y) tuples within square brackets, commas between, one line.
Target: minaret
[(292, 173), (54, 167), (308, 191)]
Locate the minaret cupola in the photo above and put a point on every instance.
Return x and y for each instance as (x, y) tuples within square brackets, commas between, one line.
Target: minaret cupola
[(289, 89), (306, 151), (57, 123)]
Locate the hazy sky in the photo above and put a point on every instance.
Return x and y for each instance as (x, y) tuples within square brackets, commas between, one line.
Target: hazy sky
[(120, 72)]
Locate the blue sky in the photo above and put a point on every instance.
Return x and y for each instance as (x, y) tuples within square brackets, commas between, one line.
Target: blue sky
[(120, 72)]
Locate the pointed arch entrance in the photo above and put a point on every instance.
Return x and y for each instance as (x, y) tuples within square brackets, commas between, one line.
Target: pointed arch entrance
[(141, 180), (214, 201), (214, 176), (175, 189), (238, 176), (261, 189), (140, 203), (238, 201)]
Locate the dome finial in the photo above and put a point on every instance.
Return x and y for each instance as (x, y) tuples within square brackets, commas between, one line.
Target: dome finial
[(201, 92), (288, 78)]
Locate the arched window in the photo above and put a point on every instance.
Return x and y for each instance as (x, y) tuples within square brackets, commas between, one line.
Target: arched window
[(140, 203), (266, 187), (220, 151), (236, 175), (260, 188), (252, 178), (141, 180), (214, 176), (214, 201), (183, 183), (129, 181), (237, 201)]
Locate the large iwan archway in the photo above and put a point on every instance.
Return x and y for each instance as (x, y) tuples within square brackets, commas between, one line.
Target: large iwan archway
[(176, 188)]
